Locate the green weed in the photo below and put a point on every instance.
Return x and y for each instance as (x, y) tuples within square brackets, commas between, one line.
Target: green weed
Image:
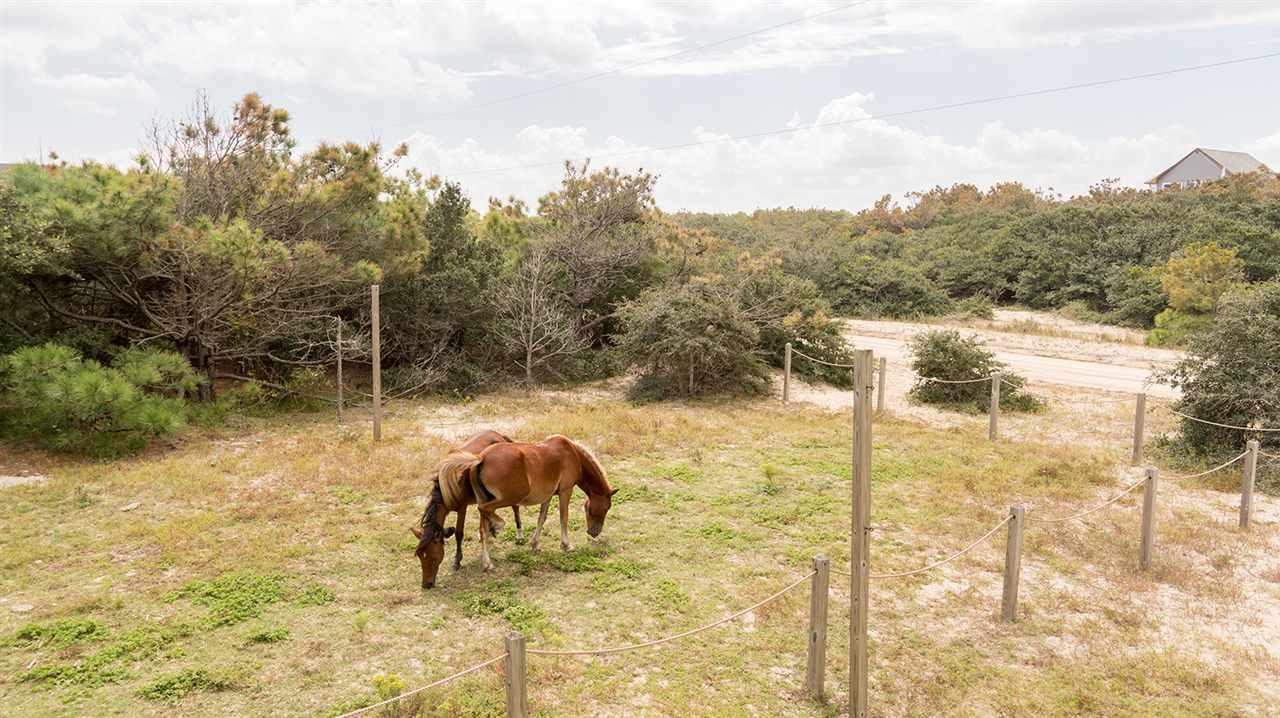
[(103, 666), (268, 635), (233, 597), (63, 632), (667, 595), (499, 598), (172, 688)]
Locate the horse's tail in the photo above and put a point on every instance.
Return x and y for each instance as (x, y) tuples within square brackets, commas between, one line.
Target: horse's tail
[(451, 475), (590, 464)]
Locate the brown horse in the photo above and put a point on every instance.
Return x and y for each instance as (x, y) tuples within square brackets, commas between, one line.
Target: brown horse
[(431, 532), (519, 474)]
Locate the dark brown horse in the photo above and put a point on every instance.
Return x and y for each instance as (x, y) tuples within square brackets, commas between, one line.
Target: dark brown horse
[(431, 532), (519, 474)]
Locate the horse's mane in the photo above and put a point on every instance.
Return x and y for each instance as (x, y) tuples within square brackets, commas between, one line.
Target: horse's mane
[(431, 526), (591, 465)]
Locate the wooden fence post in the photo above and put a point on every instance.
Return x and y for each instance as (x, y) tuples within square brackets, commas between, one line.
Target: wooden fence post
[(859, 539), (786, 374), (1148, 520), (1246, 485), (339, 352), (884, 363), (377, 364), (1012, 564), (1139, 423), (993, 423), (816, 670), (517, 697)]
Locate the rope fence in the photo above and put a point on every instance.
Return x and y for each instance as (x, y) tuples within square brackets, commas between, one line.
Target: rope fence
[(820, 361), (1224, 426), (668, 639), (1099, 507), (935, 564), (429, 686), (1219, 467)]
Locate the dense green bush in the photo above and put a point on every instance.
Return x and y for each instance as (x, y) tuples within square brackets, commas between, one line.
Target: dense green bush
[(951, 356), (1231, 375), (691, 340), (871, 287), (979, 306), (54, 396)]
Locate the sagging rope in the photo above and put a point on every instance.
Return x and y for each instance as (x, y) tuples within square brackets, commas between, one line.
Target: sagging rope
[(1219, 467), (953, 381), (1099, 507), (820, 361), (936, 564), (1224, 426), (429, 686), (668, 639)]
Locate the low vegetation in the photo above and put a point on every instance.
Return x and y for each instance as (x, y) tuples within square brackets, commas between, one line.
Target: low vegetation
[(950, 368), (299, 594)]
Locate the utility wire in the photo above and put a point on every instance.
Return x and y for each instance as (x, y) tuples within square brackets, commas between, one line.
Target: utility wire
[(624, 68), (903, 113)]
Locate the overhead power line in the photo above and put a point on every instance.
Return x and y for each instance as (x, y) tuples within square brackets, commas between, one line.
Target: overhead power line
[(624, 68), (885, 116)]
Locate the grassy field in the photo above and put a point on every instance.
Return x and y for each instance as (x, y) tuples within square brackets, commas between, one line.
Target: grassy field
[(268, 570)]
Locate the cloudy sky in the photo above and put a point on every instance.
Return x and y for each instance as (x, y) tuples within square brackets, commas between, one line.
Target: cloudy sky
[(487, 92)]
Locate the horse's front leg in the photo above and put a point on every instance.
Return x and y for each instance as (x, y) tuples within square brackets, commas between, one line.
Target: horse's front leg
[(519, 529), (537, 529), (485, 531), (462, 520), (564, 519)]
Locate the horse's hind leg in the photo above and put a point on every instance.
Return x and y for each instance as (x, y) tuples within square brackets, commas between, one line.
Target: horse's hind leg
[(462, 520), (537, 529), (485, 531), (519, 529)]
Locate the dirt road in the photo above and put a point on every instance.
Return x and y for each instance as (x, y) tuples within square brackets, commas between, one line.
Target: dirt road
[(1072, 356)]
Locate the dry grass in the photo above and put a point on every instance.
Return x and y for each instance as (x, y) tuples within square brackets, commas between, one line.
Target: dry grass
[(720, 504)]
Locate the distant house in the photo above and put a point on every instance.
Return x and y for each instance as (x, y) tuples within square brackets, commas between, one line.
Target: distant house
[(1202, 165)]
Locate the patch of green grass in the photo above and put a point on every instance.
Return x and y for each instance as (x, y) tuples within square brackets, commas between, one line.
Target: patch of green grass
[(233, 597), (499, 598), (348, 495), (681, 473), (578, 560), (719, 533), (666, 595), (313, 594), (268, 635), (105, 666), (62, 632), (171, 689)]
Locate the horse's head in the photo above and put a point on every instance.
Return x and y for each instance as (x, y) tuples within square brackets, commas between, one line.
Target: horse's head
[(431, 535), (597, 507)]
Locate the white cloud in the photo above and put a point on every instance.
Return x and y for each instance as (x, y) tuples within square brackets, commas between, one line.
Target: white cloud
[(845, 166), (405, 49)]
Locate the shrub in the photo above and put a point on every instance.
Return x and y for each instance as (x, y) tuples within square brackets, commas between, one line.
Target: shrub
[(56, 397), (873, 287), (789, 309), (1174, 327), (949, 355), (1231, 375), (979, 306), (691, 340)]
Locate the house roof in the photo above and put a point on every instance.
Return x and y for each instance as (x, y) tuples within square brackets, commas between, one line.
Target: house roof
[(1232, 162)]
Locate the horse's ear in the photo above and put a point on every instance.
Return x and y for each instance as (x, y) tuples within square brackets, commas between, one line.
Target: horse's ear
[(449, 532), (416, 531), (612, 492)]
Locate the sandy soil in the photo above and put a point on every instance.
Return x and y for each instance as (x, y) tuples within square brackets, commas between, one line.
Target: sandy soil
[(1071, 355)]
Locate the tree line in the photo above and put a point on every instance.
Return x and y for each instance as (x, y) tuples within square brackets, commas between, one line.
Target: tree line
[(228, 254)]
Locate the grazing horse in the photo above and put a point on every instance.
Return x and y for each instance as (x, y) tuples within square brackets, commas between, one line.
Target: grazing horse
[(519, 474), (431, 532)]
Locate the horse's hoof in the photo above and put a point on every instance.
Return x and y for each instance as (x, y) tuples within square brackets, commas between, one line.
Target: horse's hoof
[(566, 547)]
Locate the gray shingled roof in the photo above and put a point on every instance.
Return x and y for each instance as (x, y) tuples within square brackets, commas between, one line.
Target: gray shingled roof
[(1234, 162)]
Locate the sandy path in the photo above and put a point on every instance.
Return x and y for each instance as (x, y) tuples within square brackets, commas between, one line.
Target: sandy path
[(1075, 359)]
